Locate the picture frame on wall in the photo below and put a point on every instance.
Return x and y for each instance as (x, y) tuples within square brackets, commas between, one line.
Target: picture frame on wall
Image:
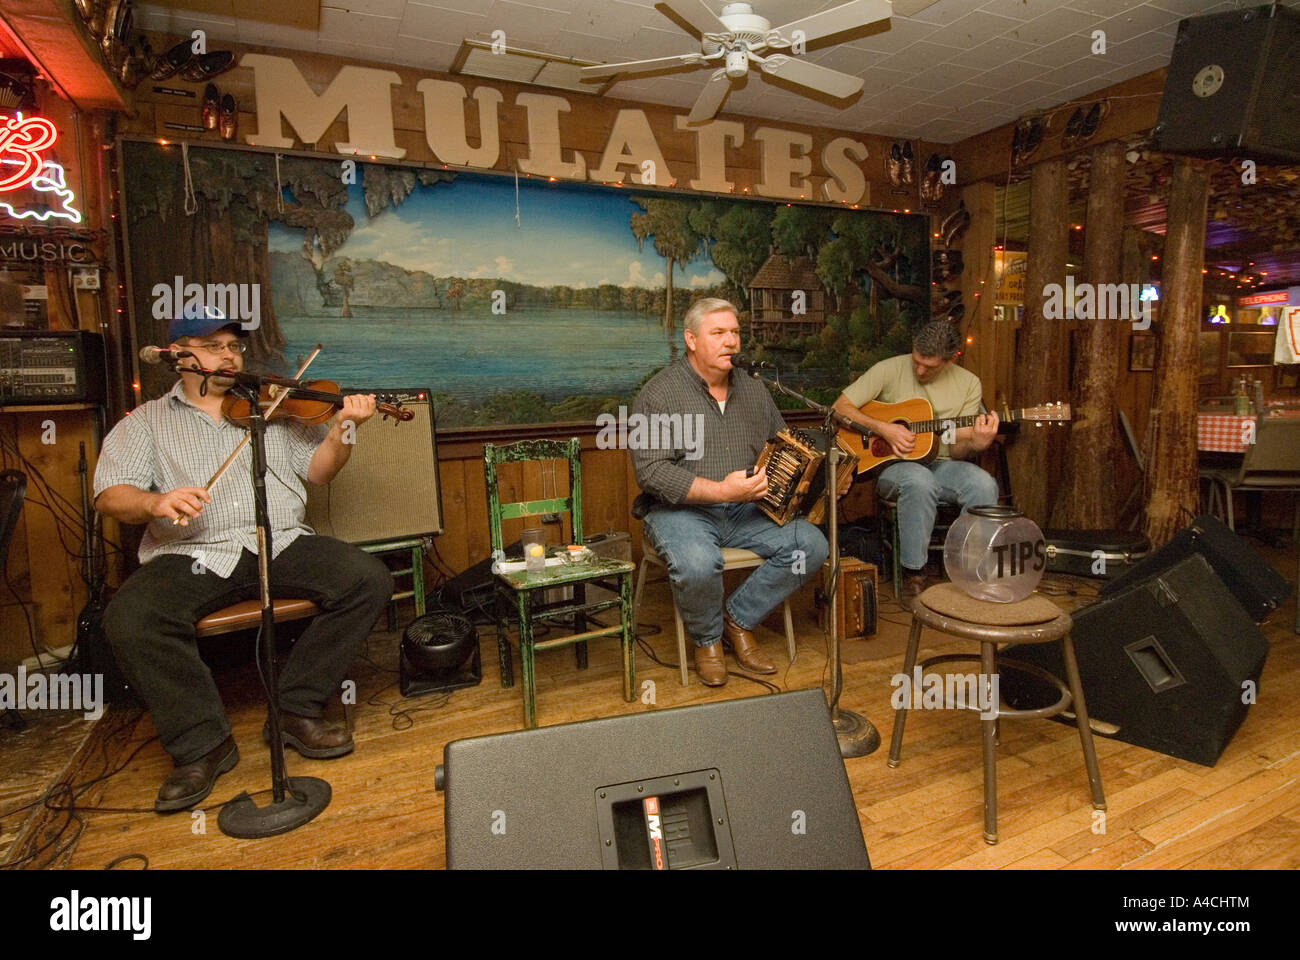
[(1142, 353)]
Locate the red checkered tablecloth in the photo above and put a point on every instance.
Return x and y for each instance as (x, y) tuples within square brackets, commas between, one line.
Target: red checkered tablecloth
[(1222, 432)]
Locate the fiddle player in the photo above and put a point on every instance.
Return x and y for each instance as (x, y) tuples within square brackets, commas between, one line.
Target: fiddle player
[(199, 554), (929, 372), (696, 501)]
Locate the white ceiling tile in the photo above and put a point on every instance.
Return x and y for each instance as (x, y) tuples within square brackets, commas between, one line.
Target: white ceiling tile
[(532, 26), (1023, 92), (1103, 8), (650, 42), (880, 78), (585, 47), (919, 56), (993, 53), (377, 8), (845, 58), (474, 7), (973, 29), (355, 51), (900, 34), (277, 35), (1089, 68), (965, 93), (428, 54), (1010, 74), (345, 27), (898, 98), (1134, 23), (613, 19), (444, 26), (1054, 26), (944, 12), (943, 76), (1021, 9), (1065, 50), (171, 19), (1184, 8), (1152, 44)]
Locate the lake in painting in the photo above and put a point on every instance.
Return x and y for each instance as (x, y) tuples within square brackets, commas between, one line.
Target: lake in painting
[(473, 354)]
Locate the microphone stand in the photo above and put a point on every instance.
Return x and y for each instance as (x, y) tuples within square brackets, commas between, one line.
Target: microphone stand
[(857, 736), (295, 800)]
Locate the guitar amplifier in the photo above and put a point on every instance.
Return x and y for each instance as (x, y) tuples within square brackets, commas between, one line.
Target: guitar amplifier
[(855, 611), (51, 366)]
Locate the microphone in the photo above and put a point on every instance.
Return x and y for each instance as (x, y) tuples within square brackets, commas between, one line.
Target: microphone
[(162, 355), (741, 362)]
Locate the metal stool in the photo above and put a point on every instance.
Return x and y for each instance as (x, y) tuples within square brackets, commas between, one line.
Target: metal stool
[(950, 610)]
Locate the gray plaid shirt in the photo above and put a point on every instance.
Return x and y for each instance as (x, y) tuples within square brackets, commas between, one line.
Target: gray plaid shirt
[(169, 442), (726, 441)]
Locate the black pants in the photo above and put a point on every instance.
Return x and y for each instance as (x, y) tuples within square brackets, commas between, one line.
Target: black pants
[(150, 625)]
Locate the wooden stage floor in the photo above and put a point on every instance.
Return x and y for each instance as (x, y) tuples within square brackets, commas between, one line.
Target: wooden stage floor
[(1163, 812)]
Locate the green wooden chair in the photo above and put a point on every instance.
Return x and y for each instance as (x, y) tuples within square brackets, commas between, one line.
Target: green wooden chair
[(517, 590)]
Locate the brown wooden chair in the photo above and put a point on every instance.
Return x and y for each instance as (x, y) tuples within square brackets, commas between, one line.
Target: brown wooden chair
[(247, 615)]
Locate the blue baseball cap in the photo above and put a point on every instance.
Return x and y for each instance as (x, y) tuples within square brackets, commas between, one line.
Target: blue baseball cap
[(200, 320)]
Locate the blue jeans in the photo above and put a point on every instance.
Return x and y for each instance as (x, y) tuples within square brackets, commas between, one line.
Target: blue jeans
[(918, 488), (690, 540)]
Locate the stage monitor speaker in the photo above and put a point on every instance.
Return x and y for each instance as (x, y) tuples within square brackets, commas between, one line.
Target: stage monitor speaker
[(388, 489), (1257, 586), (1231, 88), (754, 783), (1173, 662)]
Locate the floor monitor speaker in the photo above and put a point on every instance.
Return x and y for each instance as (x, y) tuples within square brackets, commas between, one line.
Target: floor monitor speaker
[(753, 783)]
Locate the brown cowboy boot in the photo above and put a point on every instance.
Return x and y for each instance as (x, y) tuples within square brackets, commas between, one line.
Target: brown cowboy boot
[(743, 644), (710, 665)]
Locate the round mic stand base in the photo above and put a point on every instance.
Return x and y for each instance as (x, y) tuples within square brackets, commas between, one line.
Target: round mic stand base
[(856, 734), (304, 798)]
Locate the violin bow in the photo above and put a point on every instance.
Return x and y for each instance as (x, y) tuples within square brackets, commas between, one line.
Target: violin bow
[(281, 393)]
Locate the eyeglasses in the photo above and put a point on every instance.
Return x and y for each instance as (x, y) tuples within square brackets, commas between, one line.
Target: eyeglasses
[(215, 347)]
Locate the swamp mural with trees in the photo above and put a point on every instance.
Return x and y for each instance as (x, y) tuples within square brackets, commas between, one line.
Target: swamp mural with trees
[(513, 301)]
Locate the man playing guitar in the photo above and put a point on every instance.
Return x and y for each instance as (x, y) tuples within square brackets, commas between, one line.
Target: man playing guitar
[(952, 392)]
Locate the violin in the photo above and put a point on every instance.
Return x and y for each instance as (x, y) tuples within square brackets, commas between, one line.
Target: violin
[(313, 402)]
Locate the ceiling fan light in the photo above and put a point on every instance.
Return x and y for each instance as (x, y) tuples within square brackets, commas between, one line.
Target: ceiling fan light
[(737, 64)]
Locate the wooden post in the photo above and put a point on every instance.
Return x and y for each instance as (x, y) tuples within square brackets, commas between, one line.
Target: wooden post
[(1087, 499), (978, 283), (1036, 458), (1171, 462)]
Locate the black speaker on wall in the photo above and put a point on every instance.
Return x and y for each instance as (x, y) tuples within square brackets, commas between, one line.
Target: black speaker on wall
[(1173, 662), (1231, 88), (1255, 585), (754, 783)]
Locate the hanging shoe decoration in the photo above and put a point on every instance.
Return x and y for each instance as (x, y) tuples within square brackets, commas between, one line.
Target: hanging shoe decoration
[(211, 115), (174, 60), (229, 117), (205, 66), (1092, 120), (894, 164), (907, 166), (954, 225)]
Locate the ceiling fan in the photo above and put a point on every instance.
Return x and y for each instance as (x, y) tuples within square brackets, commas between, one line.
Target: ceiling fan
[(738, 36)]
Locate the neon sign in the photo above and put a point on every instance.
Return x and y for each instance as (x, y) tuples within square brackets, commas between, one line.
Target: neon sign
[(23, 139), (21, 166)]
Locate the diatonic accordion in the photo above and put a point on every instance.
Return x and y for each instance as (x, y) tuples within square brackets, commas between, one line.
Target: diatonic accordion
[(793, 460)]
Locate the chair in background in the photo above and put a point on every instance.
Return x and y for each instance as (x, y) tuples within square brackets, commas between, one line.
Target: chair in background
[(1272, 462), (732, 559), (517, 589)]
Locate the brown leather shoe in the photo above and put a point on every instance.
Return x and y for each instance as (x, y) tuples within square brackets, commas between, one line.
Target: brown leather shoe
[(313, 737), (189, 783), (710, 665), (745, 647), (913, 587)]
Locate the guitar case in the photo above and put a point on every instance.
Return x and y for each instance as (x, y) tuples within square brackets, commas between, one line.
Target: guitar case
[(1101, 554)]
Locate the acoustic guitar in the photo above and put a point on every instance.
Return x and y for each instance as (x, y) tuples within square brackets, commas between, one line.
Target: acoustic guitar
[(918, 416)]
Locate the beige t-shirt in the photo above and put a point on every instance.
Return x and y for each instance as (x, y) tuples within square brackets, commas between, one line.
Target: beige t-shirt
[(955, 392)]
